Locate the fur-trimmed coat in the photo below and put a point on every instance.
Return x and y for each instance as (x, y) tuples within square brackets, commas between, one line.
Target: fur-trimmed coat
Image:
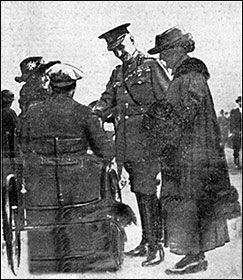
[(196, 195)]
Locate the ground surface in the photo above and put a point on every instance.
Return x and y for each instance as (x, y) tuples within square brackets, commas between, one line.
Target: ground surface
[(224, 263)]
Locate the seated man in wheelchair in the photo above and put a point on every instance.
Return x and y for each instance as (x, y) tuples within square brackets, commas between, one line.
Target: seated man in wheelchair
[(73, 222)]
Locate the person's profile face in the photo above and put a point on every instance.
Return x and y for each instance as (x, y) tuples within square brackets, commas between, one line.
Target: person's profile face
[(44, 81), (125, 50), (168, 57), (41, 80)]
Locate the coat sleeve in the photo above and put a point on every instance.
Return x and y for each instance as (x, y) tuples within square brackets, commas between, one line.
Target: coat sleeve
[(100, 144), (160, 80), (235, 121), (23, 135), (187, 96), (167, 119), (105, 106)]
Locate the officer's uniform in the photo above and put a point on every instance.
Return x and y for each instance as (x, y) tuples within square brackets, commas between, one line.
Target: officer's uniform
[(130, 91), (128, 96)]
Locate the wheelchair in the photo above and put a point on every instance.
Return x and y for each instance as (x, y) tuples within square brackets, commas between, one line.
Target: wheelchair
[(67, 238)]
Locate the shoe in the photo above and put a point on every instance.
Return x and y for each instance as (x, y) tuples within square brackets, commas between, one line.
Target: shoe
[(155, 257), (195, 267), (139, 251), (190, 258)]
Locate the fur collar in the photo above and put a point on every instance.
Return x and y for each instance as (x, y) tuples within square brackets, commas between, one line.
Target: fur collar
[(192, 65)]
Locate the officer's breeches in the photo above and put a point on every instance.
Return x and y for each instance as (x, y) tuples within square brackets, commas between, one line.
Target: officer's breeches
[(142, 176)]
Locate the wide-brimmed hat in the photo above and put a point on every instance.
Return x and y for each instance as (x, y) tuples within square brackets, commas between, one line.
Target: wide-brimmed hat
[(62, 75), (115, 36), (31, 65), (169, 38), (238, 99)]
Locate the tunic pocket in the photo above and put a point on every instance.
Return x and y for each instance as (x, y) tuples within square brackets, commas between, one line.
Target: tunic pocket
[(140, 86)]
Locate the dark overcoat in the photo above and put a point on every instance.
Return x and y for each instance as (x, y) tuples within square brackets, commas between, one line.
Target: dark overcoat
[(127, 97), (31, 93), (196, 195), (235, 129), (65, 186), (235, 120), (8, 148), (55, 137)]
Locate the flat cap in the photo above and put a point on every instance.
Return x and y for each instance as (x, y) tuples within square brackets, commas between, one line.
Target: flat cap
[(62, 75)]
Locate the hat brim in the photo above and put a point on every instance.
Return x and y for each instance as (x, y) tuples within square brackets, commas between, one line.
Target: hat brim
[(112, 46), (154, 50), (44, 67), (102, 36), (41, 69), (63, 84), (159, 49), (19, 79)]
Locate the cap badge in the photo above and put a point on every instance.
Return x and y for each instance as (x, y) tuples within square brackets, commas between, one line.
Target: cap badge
[(31, 65)]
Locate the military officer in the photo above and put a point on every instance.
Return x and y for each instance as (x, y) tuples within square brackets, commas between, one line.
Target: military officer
[(133, 86)]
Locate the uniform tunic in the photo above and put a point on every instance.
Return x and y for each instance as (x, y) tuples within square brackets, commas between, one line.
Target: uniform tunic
[(127, 97)]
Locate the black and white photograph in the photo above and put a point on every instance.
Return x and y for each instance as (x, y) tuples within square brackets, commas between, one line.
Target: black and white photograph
[(121, 139)]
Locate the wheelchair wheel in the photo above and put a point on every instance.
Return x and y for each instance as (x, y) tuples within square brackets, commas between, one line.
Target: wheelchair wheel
[(117, 244), (8, 202)]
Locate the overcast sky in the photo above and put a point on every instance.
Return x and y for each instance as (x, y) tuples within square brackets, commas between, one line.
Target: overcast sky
[(69, 30)]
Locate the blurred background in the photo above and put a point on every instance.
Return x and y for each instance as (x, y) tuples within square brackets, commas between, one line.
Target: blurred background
[(69, 30)]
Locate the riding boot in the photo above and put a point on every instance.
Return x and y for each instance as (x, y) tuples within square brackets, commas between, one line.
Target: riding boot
[(155, 253), (141, 249), (158, 226)]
